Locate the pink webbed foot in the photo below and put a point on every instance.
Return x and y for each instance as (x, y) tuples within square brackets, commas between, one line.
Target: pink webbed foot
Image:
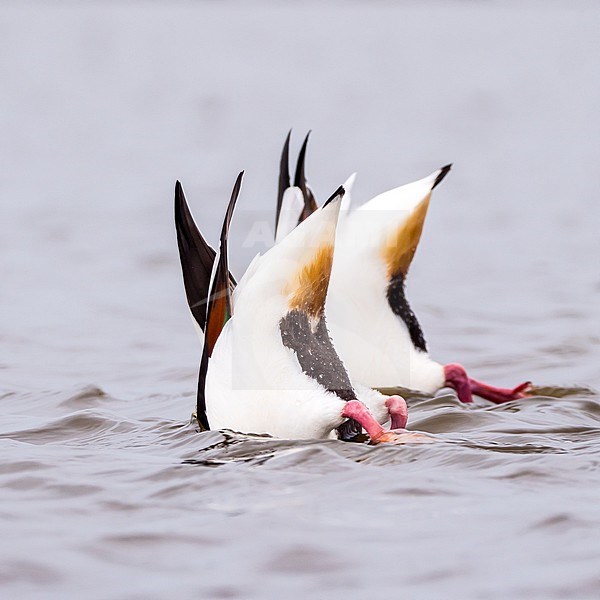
[(356, 410), (402, 436), (465, 387)]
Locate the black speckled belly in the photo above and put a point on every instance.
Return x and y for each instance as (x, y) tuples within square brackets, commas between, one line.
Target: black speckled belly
[(319, 360)]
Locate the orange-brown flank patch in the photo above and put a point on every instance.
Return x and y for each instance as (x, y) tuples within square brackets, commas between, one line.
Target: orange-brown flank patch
[(400, 247), (308, 290)]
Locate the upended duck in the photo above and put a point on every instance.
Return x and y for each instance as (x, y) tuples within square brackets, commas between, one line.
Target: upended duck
[(374, 329), (268, 365)]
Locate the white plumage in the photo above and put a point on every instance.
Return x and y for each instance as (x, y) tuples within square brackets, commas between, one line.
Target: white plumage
[(374, 329), (268, 364), (254, 383), (373, 342)]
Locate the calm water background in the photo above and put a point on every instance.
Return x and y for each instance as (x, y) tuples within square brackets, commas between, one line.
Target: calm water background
[(106, 490)]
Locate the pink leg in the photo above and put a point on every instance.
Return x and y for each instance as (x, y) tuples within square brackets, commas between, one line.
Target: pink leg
[(398, 410), (457, 379), (356, 410)]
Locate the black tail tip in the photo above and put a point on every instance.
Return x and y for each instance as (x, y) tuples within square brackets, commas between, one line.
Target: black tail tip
[(443, 172), (179, 196), (339, 193), (286, 145)]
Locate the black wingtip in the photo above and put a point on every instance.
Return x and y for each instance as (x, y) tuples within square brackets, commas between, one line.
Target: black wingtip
[(284, 167), (339, 193), (180, 201), (299, 176), (443, 172), (229, 213), (284, 177)]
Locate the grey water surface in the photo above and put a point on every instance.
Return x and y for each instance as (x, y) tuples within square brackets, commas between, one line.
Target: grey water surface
[(107, 490)]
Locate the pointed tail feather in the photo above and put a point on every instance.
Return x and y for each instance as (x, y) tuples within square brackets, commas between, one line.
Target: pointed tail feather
[(220, 307), (196, 255), (284, 178), (197, 258), (310, 204)]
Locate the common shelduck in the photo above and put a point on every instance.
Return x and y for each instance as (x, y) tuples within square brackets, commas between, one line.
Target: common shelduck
[(268, 364), (375, 332)]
